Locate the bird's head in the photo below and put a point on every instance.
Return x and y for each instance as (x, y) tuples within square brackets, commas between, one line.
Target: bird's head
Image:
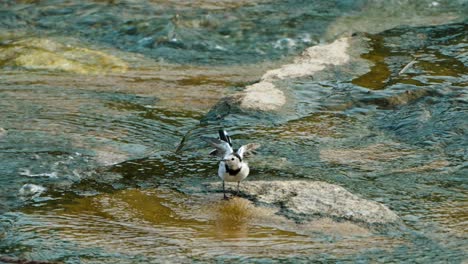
[(233, 161)]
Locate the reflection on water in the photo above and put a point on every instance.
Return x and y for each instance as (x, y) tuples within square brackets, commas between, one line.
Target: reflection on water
[(95, 96), (232, 218)]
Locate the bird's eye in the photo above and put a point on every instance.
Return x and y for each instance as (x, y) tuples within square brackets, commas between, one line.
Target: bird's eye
[(232, 159)]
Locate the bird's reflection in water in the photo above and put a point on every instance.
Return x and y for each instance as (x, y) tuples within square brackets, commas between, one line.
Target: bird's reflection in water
[(232, 218)]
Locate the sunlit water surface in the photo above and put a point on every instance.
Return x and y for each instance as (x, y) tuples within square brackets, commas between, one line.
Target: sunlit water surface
[(89, 167)]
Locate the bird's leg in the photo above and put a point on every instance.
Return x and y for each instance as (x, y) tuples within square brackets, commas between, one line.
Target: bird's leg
[(238, 183), (224, 192)]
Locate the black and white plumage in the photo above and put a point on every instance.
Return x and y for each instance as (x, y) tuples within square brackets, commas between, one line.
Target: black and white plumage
[(232, 167)]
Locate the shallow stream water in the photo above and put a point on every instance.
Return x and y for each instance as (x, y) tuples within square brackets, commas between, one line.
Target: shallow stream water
[(102, 103)]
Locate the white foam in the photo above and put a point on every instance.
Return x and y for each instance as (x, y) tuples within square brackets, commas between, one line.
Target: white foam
[(27, 172), (31, 190)]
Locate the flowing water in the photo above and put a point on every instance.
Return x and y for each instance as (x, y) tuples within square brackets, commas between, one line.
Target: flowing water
[(102, 103)]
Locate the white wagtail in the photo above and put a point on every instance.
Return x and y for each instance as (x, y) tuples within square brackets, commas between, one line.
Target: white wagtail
[(232, 167)]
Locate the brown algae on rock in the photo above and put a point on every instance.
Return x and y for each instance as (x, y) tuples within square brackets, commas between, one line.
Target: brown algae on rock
[(379, 74)]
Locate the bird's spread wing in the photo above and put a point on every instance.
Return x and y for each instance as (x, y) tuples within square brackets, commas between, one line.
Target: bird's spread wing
[(222, 147), (246, 149)]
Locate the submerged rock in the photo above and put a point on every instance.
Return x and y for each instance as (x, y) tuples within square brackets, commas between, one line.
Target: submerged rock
[(265, 96), (312, 60), (303, 200), (370, 158), (47, 54)]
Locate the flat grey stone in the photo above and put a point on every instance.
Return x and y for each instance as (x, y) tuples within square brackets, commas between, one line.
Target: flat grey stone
[(302, 199)]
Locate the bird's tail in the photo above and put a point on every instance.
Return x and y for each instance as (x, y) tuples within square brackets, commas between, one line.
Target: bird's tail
[(223, 135)]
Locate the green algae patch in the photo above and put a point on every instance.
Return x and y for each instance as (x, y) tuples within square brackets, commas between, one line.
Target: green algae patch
[(438, 64), (47, 54)]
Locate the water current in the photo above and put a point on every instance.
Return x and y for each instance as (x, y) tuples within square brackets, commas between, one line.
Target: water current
[(102, 104)]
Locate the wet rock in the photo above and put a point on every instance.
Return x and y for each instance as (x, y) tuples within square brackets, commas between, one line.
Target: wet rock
[(3, 132), (110, 156), (237, 214), (47, 54), (269, 95), (303, 200), (312, 60), (262, 96), (265, 96)]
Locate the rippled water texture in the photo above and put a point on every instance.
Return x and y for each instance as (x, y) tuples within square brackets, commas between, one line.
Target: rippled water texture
[(102, 104)]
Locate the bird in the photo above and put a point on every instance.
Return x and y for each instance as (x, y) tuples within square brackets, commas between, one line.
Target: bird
[(232, 166)]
